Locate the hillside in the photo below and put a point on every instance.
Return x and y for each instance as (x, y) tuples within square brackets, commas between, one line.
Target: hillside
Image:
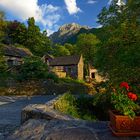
[(68, 33)]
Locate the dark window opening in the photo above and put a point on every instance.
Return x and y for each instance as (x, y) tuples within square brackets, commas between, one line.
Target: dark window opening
[(10, 62), (92, 75)]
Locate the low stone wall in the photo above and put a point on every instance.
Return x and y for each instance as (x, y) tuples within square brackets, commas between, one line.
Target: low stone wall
[(41, 87), (43, 111)]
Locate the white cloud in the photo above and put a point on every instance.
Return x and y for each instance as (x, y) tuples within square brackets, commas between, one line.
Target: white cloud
[(50, 31), (47, 15), (99, 26), (91, 2), (71, 6), (119, 3)]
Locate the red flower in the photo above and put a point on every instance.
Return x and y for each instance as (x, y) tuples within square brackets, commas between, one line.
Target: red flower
[(125, 85), (132, 96)]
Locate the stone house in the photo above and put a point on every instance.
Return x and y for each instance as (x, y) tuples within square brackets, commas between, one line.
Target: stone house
[(94, 74), (66, 66), (14, 56)]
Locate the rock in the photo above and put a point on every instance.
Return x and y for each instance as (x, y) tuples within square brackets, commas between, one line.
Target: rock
[(1, 136), (65, 130), (65, 32), (54, 130), (72, 134), (31, 130), (42, 111)]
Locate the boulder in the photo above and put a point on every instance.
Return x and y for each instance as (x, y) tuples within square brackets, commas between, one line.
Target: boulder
[(72, 134)]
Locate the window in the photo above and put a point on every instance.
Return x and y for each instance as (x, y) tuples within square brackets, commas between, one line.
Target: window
[(59, 68), (92, 75), (10, 62)]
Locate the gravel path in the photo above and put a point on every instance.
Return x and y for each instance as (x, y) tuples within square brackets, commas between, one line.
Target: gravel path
[(10, 111)]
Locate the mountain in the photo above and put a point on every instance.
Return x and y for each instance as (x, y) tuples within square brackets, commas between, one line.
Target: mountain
[(67, 31)]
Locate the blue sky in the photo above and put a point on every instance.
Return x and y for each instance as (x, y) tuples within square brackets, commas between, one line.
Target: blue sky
[(51, 14)]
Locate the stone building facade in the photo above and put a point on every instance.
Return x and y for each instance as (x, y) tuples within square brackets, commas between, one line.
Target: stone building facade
[(66, 66), (14, 56)]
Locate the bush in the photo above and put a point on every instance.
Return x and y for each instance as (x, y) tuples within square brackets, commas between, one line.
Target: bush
[(102, 104), (67, 104), (52, 76), (32, 68), (79, 107), (86, 108)]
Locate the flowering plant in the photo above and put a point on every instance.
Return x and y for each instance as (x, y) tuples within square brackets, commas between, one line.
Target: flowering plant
[(125, 101)]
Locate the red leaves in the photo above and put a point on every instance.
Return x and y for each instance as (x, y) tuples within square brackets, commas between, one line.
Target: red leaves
[(125, 85)]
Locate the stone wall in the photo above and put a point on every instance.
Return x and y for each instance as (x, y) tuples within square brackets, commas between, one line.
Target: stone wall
[(43, 111), (33, 87), (80, 69)]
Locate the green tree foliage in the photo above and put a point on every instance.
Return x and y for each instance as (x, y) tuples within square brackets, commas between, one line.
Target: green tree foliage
[(3, 65), (16, 33), (71, 48), (60, 50), (36, 41), (87, 45), (118, 56), (2, 26), (33, 68)]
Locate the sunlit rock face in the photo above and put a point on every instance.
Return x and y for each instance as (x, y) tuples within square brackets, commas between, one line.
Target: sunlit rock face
[(65, 32)]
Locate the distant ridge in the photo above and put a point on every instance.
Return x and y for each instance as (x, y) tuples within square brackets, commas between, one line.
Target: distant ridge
[(66, 31)]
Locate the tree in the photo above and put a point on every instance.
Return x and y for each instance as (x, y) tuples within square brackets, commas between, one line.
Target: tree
[(16, 32), (36, 41), (118, 56), (2, 26), (87, 45), (3, 64), (33, 68), (60, 50), (71, 48)]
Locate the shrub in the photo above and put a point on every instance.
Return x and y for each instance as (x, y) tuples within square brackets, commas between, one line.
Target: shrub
[(101, 105), (86, 108), (79, 107), (52, 76), (32, 68), (67, 104)]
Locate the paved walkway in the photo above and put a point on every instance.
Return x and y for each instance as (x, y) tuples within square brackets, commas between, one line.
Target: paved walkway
[(10, 111)]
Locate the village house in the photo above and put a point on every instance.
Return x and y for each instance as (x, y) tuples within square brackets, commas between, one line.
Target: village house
[(94, 74), (14, 56), (71, 66), (66, 66)]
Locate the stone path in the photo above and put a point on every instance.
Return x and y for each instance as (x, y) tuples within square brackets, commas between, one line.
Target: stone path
[(39, 129), (10, 111)]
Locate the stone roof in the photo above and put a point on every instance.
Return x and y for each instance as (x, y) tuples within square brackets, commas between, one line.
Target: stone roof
[(16, 52), (65, 60)]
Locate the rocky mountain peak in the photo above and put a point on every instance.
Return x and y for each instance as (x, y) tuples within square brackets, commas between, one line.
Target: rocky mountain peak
[(66, 31), (72, 26)]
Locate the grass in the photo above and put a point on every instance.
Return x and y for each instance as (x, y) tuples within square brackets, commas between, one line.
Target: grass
[(86, 107), (77, 107)]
